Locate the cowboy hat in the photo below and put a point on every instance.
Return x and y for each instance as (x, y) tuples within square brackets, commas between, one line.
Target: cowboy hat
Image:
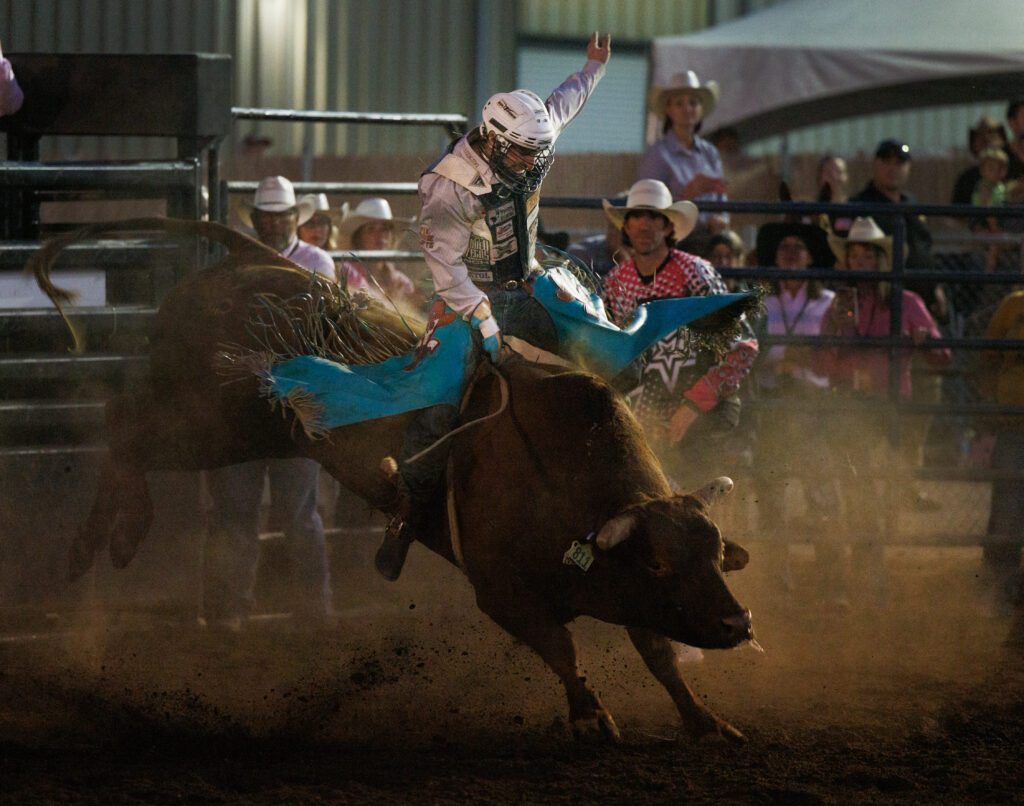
[(680, 82), (651, 194), (275, 194), (863, 230), (373, 209), (770, 235), (320, 205)]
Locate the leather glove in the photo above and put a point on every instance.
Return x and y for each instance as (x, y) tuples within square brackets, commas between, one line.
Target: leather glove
[(483, 320)]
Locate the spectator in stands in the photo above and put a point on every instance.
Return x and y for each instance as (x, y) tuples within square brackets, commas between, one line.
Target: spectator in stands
[(602, 253), (373, 227), (862, 438), (681, 158), (990, 191), (833, 181), (11, 96), (890, 172), (727, 250), (986, 133), (687, 399), (1002, 381), (318, 229), (232, 545), (1015, 145), (789, 437)]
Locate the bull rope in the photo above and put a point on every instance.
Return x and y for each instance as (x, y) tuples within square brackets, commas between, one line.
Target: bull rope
[(502, 385)]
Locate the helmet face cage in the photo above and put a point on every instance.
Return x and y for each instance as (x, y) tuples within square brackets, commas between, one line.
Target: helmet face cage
[(520, 122), (518, 180)]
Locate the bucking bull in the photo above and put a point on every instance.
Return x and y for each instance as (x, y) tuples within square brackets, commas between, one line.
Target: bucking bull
[(579, 519)]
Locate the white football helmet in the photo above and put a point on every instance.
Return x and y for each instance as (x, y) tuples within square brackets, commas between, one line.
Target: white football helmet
[(519, 120)]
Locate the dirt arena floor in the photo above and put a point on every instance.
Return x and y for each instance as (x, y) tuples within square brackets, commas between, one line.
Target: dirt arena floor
[(415, 697)]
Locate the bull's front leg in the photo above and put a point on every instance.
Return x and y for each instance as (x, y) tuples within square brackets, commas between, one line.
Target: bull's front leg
[(532, 625), (660, 657)]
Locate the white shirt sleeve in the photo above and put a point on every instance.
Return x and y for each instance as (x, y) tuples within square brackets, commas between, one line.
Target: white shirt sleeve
[(567, 99), (446, 221)]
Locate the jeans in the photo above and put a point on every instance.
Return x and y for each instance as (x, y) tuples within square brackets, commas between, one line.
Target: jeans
[(231, 553), (520, 315)]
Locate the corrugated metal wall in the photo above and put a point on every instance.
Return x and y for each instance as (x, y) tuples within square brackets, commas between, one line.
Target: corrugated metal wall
[(633, 20), (393, 55), (388, 55)]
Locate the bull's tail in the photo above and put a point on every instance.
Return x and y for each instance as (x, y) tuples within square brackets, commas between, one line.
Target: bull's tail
[(41, 263)]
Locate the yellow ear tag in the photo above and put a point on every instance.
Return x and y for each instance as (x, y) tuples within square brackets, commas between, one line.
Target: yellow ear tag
[(579, 554)]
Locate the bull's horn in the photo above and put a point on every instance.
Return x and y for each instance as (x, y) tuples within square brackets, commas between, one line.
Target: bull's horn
[(713, 491), (615, 531)]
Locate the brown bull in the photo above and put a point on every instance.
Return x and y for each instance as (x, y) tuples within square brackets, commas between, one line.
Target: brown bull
[(568, 463)]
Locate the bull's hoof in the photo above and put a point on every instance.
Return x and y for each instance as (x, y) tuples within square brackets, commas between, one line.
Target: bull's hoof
[(599, 728), (722, 733)]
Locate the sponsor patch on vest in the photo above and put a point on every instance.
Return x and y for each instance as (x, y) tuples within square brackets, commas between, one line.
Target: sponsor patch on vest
[(481, 276), (478, 253), (500, 214), (502, 249), (504, 231)]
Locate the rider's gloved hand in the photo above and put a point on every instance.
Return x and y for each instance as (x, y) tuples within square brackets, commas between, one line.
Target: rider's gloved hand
[(483, 320)]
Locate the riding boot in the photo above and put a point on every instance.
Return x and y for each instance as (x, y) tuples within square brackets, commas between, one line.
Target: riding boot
[(391, 555), (399, 534)]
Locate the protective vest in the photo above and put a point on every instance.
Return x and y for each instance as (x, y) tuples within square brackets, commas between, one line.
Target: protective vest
[(502, 242)]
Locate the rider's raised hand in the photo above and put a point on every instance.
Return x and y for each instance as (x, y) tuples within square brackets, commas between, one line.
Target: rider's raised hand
[(600, 48)]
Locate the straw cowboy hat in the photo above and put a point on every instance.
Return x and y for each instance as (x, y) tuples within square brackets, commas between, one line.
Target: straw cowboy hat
[(770, 235), (650, 194), (275, 194), (863, 230), (688, 81), (320, 205), (373, 209)]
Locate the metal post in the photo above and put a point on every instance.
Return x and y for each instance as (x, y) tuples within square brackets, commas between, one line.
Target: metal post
[(899, 252)]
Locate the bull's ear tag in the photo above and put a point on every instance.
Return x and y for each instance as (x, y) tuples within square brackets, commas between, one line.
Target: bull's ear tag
[(579, 554)]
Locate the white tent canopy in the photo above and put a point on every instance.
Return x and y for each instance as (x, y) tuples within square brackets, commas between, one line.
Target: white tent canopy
[(804, 62)]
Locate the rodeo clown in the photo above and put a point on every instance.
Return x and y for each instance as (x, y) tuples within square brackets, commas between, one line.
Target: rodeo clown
[(478, 231)]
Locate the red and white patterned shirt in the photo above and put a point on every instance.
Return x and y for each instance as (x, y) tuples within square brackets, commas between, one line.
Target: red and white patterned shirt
[(673, 361)]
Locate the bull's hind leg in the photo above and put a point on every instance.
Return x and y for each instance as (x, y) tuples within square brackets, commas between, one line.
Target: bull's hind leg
[(121, 514), (94, 534), (120, 517), (532, 625), (660, 657)]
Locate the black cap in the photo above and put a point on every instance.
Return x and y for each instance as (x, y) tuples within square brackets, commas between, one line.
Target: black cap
[(890, 148)]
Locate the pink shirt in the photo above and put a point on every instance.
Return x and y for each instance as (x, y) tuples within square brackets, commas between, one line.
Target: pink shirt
[(867, 369), (310, 257), (396, 285)]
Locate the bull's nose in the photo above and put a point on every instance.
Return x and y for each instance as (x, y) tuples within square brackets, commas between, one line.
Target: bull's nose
[(739, 627)]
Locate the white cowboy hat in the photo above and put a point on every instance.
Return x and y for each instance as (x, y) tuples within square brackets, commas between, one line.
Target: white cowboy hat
[(311, 204), (680, 82), (275, 194), (651, 194), (373, 209), (863, 230)]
